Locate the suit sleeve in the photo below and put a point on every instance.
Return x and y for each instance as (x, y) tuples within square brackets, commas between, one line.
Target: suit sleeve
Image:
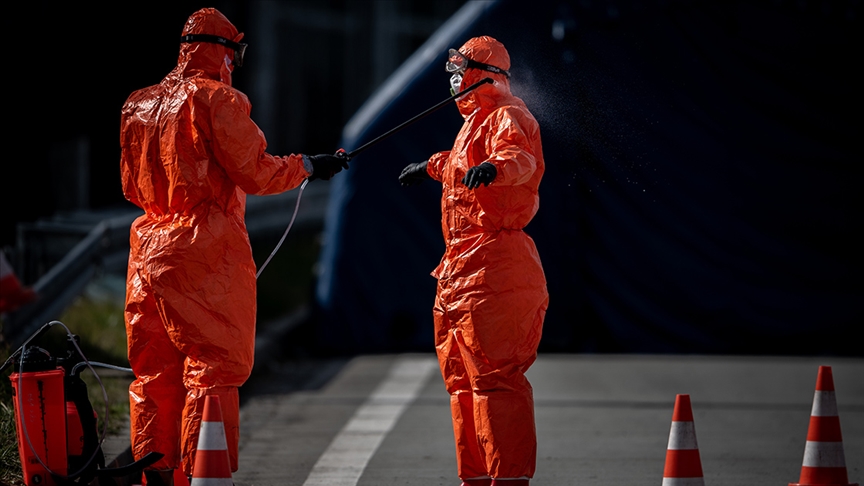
[(241, 148), (508, 143), (435, 167)]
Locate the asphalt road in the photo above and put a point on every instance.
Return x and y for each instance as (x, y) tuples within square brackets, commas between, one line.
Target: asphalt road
[(601, 420)]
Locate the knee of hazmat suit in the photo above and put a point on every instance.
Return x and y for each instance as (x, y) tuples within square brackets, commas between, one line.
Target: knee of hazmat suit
[(189, 155), (492, 297)]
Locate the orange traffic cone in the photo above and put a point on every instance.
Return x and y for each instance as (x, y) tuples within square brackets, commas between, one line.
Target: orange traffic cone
[(683, 465), (212, 464), (824, 460), (12, 293)]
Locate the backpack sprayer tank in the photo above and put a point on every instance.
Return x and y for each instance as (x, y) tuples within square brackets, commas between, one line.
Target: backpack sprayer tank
[(58, 441), (40, 411)]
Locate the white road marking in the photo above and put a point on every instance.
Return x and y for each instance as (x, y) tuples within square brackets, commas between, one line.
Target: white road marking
[(344, 460)]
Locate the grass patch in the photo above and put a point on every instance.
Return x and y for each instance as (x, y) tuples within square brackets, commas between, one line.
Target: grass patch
[(96, 317), (286, 283), (10, 461)]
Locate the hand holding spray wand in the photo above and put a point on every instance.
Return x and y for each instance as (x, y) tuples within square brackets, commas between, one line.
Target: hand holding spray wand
[(349, 155)]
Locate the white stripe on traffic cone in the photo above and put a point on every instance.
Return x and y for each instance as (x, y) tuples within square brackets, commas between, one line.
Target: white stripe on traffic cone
[(683, 465), (824, 460), (212, 463)]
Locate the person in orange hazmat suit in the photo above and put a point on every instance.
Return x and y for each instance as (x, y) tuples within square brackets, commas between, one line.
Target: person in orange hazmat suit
[(491, 297), (189, 155)]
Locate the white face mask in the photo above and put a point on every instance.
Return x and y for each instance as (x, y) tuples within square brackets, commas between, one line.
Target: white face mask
[(455, 83), (225, 71)]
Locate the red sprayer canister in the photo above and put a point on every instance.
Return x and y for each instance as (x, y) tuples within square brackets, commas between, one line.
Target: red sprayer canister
[(40, 412)]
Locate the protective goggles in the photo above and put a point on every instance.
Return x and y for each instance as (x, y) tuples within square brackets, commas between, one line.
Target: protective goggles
[(239, 47), (458, 63)]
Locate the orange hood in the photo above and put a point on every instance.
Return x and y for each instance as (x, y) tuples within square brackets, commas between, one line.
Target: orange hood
[(204, 57), (487, 50)]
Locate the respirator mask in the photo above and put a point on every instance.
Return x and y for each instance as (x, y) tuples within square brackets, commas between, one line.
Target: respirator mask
[(457, 63)]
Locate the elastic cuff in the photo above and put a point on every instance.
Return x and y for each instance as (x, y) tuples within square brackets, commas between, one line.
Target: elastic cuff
[(307, 164)]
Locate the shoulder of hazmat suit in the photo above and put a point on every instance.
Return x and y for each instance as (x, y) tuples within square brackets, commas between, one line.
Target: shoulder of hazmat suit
[(498, 129), (492, 297), (189, 155)]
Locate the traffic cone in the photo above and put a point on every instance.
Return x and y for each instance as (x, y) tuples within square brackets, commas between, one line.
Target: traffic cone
[(212, 464), (824, 460), (12, 293), (683, 465)]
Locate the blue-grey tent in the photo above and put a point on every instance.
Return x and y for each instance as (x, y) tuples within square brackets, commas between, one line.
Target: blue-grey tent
[(701, 191)]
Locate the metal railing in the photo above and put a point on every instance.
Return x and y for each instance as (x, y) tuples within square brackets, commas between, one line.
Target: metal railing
[(63, 254)]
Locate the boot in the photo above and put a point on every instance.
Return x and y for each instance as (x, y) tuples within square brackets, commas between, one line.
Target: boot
[(477, 482), (159, 477), (509, 482), (181, 479)]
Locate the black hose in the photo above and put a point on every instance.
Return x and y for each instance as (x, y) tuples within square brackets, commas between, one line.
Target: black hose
[(356, 151)]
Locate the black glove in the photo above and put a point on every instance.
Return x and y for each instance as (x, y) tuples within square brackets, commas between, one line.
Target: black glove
[(414, 174), (482, 174), (325, 166)]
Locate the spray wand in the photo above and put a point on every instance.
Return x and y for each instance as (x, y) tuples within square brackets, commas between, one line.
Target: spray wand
[(363, 147), (349, 155)]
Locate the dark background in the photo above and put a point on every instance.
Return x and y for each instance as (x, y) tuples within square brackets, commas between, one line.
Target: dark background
[(703, 158), (74, 64), (701, 195)]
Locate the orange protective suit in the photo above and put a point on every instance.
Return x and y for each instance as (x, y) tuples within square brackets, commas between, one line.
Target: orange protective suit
[(190, 154), (491, 298)]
